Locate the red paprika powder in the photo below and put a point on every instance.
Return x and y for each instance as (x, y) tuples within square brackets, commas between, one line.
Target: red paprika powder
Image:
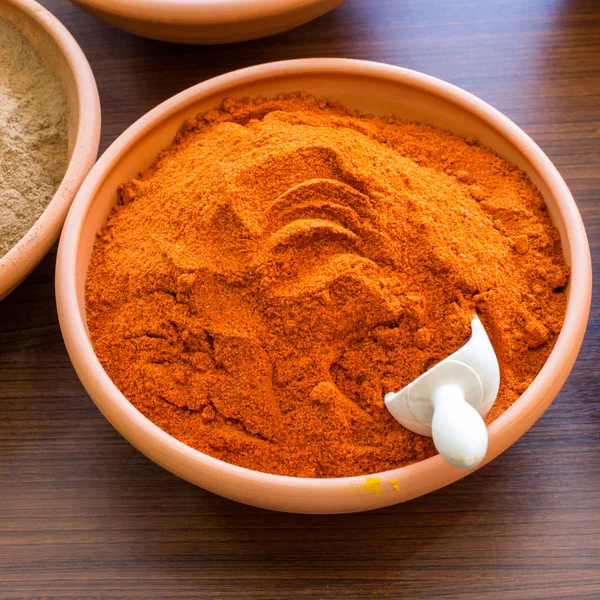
[(286, 262)]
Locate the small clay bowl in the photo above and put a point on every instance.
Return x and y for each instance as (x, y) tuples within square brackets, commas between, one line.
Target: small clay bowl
[(370, 87), (206, 21), (63, 55)]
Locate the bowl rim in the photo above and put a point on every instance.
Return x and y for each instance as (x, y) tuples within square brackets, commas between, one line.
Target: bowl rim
[(199, 11), (22, 258), (527, 408)]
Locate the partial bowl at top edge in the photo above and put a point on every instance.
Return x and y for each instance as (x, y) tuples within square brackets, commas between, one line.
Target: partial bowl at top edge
[(206, 22), (370, 87), (63, 55)]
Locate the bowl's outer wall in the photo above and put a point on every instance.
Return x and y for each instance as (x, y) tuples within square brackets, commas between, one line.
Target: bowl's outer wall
[(61, 53), (369, 87), (195, 31)]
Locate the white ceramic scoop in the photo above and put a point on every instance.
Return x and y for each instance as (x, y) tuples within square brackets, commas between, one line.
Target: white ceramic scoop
[(448, 401)]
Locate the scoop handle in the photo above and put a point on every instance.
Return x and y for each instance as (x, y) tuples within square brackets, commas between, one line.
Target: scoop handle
[(459, 433)]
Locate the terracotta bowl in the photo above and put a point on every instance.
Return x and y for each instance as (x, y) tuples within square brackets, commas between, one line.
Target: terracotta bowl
[(206, 21), (372, 87), (61, 53)]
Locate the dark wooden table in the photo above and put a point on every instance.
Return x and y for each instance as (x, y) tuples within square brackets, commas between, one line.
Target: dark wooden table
[(84, 516)]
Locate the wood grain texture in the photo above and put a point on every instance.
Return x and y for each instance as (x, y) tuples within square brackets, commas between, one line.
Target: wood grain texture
[(84, 516)]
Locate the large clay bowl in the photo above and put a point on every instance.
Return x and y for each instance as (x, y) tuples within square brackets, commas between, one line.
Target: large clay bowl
[(369, 87)]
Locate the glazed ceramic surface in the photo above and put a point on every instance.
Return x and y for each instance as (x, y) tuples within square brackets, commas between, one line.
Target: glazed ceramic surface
[(206, 21), (370, 87), (61, 53)]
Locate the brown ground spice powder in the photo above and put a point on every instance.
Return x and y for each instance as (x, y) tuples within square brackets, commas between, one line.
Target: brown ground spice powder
[(284, 263)]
